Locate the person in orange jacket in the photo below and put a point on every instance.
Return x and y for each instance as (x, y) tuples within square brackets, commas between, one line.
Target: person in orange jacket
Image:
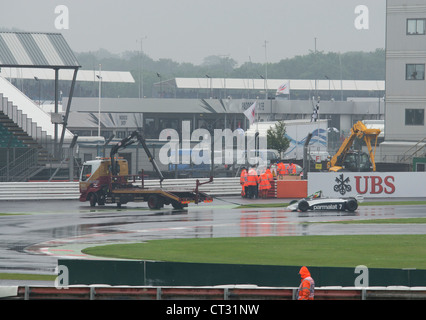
[(270, 178), (252, 182), (307, 285), (264, 185), (243, 182), (273, 168), (269, 175), (292, 168), (281, 168)]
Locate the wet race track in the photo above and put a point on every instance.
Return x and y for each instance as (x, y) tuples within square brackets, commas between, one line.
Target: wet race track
[(37, 233)]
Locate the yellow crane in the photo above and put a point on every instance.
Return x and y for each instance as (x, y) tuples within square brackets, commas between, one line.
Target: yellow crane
[(349, 160)]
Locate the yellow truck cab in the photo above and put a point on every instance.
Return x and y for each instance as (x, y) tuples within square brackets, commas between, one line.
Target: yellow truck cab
[(98, 173)]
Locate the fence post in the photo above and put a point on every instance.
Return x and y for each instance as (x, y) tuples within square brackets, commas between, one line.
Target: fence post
[(226, 294), (27, 293)]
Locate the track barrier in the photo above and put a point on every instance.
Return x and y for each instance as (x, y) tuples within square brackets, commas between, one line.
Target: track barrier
[(103, 292), (69, 190), (166, 273), (65, 190)]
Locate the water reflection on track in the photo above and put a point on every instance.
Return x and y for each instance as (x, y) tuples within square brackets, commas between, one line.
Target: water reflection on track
[(35, 235)]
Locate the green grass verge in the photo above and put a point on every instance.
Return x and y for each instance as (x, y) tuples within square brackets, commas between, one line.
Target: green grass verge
[(25, 276), (379, 251)]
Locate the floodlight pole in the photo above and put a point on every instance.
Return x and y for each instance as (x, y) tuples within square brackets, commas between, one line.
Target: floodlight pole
[(266, 71), (55, 144), (99, 104), (67, 112)]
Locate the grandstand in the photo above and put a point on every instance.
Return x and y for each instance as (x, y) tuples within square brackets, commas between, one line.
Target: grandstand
[(35, 144), (26, 144), (29, 137)]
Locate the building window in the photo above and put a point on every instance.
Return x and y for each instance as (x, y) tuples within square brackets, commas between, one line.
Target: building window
[(414, 117), (415, 72), (120, 134), (416, 26)]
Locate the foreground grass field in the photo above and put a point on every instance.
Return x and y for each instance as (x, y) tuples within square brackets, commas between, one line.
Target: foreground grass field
[(374, 251)]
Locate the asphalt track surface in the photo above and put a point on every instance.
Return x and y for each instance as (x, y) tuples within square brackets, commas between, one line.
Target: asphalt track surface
[(35, 234)]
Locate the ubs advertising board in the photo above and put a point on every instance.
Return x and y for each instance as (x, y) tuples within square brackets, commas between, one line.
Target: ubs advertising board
[(368, 184)]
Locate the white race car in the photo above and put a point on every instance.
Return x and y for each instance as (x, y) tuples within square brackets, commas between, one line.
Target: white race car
[(316, 202)]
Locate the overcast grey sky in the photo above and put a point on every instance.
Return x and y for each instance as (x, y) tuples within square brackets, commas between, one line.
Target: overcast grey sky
[(190, 30)]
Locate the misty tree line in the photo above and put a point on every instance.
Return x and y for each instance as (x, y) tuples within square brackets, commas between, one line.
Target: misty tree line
[(319, 65)]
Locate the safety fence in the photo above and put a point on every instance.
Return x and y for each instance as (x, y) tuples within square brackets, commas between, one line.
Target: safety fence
[(58, 190), (102, 292), (181, 274), (39, 190)]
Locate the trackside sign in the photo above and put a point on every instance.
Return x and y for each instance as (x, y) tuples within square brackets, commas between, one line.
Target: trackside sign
[(368, 184)]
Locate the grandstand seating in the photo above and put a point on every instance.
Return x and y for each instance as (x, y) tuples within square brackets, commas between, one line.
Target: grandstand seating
[(8, 139), (19, 131)]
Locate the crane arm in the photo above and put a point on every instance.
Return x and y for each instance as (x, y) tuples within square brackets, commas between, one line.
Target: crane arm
[(360, 131), (372, 134), (338, 158), (148, 153), (135, 136)]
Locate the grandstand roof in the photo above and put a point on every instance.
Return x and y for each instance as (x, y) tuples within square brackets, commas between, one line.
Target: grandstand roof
[(83, 75), (36, 50), (273, 84)]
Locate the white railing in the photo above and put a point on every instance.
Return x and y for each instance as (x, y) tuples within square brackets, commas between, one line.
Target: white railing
[(25, 113), (236, 292), (70, 190)]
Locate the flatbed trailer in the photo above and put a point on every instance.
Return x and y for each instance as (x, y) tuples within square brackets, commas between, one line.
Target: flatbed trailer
[(155, 197), (106, 180)]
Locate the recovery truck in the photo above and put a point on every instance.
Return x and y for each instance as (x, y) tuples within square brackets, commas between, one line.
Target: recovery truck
[(355, 161), (106, 180)]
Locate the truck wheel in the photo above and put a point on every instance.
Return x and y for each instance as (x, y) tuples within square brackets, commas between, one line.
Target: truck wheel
[(178, 205), (93, 199), (101, 199), (303, 205), (155, 202)]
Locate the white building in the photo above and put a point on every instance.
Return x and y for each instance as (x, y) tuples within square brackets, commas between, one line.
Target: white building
[(405, 128)]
